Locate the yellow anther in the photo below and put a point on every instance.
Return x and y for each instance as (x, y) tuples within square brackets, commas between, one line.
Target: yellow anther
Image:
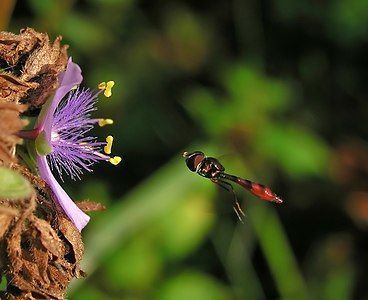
[(103, 122), (115, 160), (106, 87), (107, 148)]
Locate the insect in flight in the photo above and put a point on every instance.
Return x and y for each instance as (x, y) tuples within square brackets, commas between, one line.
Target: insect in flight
[(210, 167)]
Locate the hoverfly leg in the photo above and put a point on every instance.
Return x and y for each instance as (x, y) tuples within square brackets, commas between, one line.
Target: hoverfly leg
[(236, 207), (238, 212)]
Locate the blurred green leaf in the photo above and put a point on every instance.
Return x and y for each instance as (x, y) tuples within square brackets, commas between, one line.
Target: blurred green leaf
[(97, 191), (135, 266), (50, 13), (235, 247), (204, 106), (113, 2), (348, 21), (91, 293), (84, 33), (330, 267), (339, 284), (289, 10), (313, 67), (13, 185), (254, 92), (3, 283), (185, 227), (251, 100), (43, 8), (298, 151), (278, 252), (187, 37), (192, 285)]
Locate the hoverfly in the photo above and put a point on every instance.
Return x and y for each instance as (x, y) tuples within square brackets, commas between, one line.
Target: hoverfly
[(210, 167)]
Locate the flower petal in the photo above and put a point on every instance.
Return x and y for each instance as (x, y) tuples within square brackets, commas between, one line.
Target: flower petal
[(74, 213), (67, 80)]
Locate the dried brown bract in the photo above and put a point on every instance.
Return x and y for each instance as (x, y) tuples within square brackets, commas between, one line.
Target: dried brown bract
[(87, 206), (40, 248), (30, 65), (10, 124)]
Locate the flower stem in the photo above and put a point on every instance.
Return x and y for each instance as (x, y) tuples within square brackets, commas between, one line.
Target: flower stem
[(30, 134)]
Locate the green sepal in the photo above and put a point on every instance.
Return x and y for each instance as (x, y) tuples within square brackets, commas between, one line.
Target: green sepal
[(28, 154), (32, 153), (41, 144)]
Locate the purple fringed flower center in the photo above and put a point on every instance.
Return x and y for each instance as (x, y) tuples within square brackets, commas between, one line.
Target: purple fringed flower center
[(73, 151)]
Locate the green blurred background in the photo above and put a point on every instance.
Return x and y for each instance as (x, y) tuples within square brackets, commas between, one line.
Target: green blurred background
[(277, 90)]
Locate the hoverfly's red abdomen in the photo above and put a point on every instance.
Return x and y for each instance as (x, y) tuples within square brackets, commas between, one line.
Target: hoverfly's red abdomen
[(264, 193), (257, 189)]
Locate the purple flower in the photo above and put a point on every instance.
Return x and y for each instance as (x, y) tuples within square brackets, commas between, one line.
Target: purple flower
[(61, 141)]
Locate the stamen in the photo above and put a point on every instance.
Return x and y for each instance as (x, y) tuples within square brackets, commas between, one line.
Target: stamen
[(103, 122), (106, 87), (115, 160), (107, 148)]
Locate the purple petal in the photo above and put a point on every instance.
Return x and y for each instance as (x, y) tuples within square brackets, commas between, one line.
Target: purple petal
[(74, 213), (67, 80)]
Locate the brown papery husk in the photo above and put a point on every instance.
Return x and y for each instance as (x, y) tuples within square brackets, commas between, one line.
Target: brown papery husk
[(40, 248), (30, 66)]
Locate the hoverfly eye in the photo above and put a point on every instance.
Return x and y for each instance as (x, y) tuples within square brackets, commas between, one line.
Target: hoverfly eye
[(193, 160)]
